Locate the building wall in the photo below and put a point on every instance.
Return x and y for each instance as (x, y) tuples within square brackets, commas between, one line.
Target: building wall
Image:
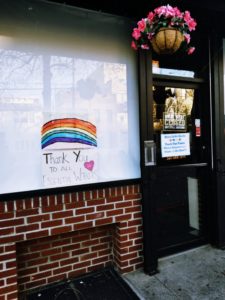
[(51, 238)]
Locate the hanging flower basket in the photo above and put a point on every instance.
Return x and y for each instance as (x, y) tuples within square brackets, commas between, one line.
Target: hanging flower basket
[(165, 29), (167, 40)]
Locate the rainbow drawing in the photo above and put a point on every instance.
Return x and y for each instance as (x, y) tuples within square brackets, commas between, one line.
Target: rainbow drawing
[(68, 130)]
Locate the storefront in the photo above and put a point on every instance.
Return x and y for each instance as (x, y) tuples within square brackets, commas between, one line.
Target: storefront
[(108, 156)]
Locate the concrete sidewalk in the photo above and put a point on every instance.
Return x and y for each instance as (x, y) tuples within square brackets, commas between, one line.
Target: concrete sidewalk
[(196, 274)]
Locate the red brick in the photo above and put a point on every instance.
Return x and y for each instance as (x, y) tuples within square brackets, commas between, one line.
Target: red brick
[(51, 251), (10, 206), (12, 296), (77, 273), (61, 242), (52, 200), (95, 216), (132, 209), (27, 228), (41, 275), (69, 261), (11, 223), (8, 289), (39, 218), (6, 231), (36, 202), (10, 247), (28, 203), (56, 278), (19, 205), (12, 239), (39, 247), (66, 198), (94, 194), (135, 222), (137, 189), (83, 225), (136, 248), (105, 252), (138, 241), (105, 207), (99, 247), (62, 270), (74, 220), (136, 261), (103, 221), (123, 218), (8, 215), (59, 256), (124, 190), (61, 230), (71, 247), (87, 195), (62, 214), (52, 208), (86, 210), (88, 256), (28, 212), (137, 215), (114, 212), (73, 205), (96, 202), (114, 199), (100, 260), (49, 266), (30, 256), (44, 201), (127, 230), (59, 199), (11, 280), (124, 204), (8, 273), (81, 265), (37, 262), (36, 234), (7, 256), (136, 235), (101, 193), (51, 223), (37, 283)]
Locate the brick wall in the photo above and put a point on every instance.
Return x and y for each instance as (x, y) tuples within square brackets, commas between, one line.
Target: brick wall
[(73, 233)]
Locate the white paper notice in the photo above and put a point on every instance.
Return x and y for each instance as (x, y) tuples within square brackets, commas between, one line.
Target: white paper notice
[(175, 144)]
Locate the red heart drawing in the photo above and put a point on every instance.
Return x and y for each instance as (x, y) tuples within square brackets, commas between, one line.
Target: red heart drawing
[(89, 165)]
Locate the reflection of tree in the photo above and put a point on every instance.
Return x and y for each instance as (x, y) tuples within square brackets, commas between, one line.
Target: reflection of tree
[(19, 69)]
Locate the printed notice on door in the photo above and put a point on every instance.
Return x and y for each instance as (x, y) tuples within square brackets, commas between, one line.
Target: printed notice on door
[(176, 144)]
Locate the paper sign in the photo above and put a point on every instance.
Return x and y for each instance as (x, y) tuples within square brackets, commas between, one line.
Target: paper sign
[(176, 144), (69, 167)]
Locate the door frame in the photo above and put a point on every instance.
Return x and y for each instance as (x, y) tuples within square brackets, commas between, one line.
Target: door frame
[(146, 79)]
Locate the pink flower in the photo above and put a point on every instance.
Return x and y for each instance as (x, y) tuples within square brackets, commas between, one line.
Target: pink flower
[(190, 50), (133, 45), (151, 16), (136, 33), (142, 25), (177, 12), (187, 37), (145, 46), (191, 24)]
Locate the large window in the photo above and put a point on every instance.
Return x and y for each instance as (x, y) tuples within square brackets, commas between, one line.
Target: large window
[(68, 97)]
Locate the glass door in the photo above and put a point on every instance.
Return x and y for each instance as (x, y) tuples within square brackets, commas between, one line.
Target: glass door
[(180, 166)]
